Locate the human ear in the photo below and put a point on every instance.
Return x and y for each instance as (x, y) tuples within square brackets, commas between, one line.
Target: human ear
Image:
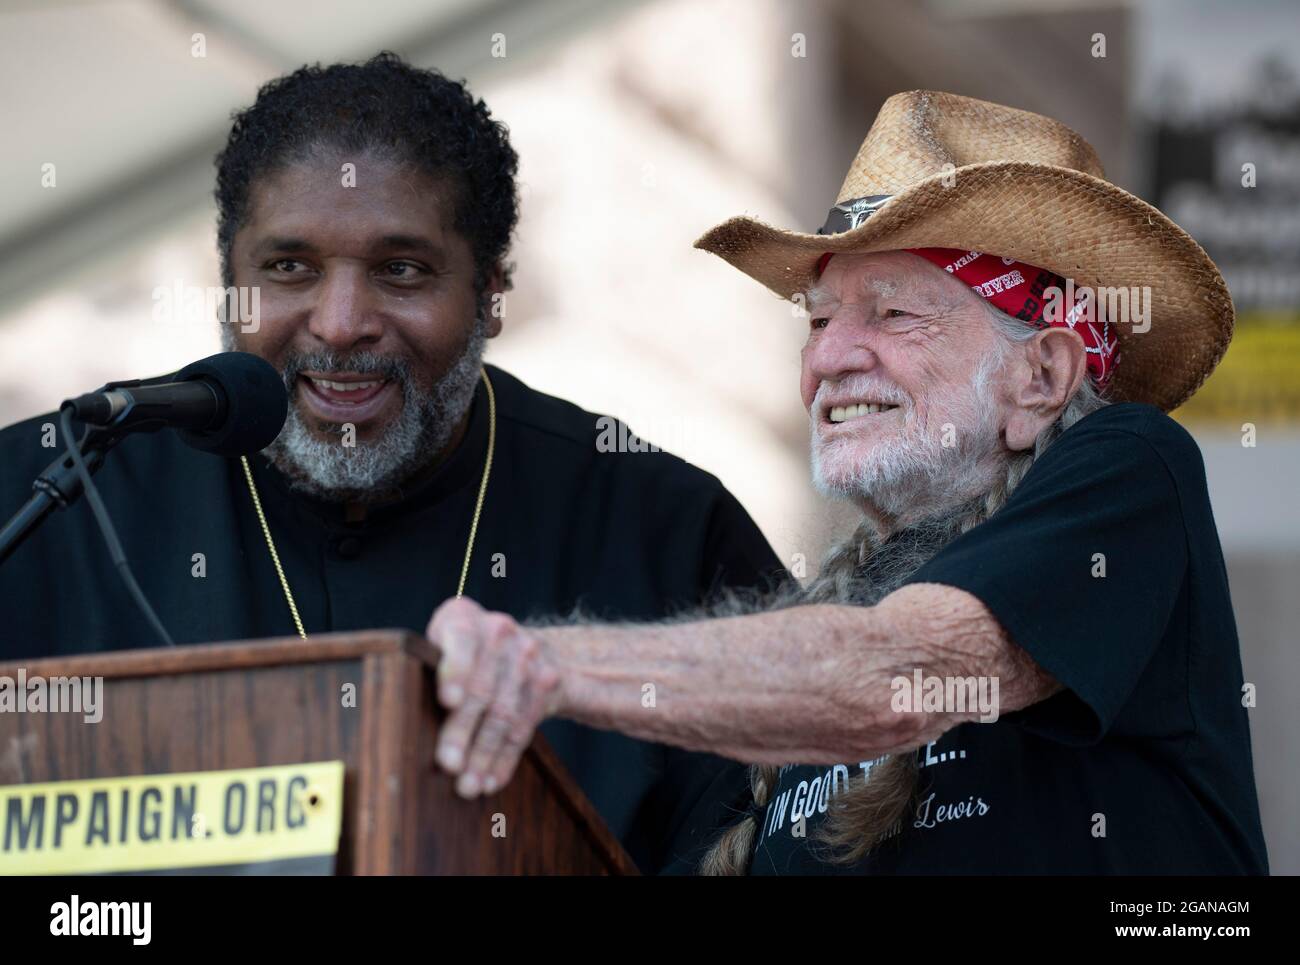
[(1055, 366)]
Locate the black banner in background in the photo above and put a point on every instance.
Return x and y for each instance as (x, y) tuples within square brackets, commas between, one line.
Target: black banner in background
[(1222, 109)]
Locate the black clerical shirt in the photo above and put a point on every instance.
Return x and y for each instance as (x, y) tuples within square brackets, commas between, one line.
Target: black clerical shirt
[(628, 535)]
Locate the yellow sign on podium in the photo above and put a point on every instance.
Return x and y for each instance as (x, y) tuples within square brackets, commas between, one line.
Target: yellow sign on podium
[(266, 820)]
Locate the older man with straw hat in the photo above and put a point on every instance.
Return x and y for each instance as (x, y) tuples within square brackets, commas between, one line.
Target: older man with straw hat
[(1025, 657)]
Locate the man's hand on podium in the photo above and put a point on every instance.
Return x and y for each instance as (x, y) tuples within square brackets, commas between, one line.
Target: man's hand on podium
[(498, 682)]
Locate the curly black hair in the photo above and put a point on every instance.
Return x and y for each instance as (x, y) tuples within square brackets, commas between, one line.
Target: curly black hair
[(384, 106)]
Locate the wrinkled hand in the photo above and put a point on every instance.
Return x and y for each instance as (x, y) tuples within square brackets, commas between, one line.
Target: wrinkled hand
[(499, 682)]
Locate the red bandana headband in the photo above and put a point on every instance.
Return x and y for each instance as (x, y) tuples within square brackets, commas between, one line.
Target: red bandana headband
[(1018, 290)]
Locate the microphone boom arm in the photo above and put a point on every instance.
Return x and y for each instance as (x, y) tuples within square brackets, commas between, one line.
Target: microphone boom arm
[(57, 487)]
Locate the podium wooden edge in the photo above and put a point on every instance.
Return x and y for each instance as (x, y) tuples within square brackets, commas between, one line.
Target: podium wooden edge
[(282, 651), (199, 657), (551, 769)]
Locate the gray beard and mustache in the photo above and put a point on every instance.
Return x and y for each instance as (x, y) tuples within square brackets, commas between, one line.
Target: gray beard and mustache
[(932, 493), (375, 469), (912, 475)]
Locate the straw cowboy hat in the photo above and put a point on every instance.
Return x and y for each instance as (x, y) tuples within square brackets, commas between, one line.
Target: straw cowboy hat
[(940, 170)]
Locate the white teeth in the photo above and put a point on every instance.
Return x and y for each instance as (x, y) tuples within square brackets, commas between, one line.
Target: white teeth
[(844, 413), (344, 386)]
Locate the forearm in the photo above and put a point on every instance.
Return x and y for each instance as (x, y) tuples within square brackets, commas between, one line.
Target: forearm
[(809, 684), (805, 684)]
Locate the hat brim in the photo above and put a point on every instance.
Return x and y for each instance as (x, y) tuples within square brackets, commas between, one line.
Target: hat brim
[(1077, 225)]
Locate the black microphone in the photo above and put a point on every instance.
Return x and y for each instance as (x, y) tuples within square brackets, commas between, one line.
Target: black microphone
[(231, 404)]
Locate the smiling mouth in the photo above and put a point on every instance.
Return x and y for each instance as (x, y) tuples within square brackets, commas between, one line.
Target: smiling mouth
[(345, 388), (848, 413)]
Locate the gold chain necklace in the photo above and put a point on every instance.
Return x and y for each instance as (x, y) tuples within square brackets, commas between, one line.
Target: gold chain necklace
[(473, 526)]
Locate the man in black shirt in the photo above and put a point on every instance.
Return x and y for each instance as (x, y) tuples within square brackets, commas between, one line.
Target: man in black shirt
[(1025, 658), (370, 209), (1142, 765)]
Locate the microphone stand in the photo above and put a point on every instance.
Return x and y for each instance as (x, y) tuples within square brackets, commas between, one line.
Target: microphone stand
[(62, 482), (107, 421), (57, 487)]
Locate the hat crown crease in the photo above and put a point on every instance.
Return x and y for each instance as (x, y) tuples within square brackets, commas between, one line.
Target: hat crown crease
[(922, 134)]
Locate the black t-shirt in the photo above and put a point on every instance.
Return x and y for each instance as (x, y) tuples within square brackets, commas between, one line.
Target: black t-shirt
[(620, 535), (1142, 764)]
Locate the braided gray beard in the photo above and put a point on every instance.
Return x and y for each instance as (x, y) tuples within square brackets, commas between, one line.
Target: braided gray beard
[(882, 566), (375, 469)]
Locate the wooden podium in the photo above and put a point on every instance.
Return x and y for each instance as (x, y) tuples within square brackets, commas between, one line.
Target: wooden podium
[(220, 707)]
